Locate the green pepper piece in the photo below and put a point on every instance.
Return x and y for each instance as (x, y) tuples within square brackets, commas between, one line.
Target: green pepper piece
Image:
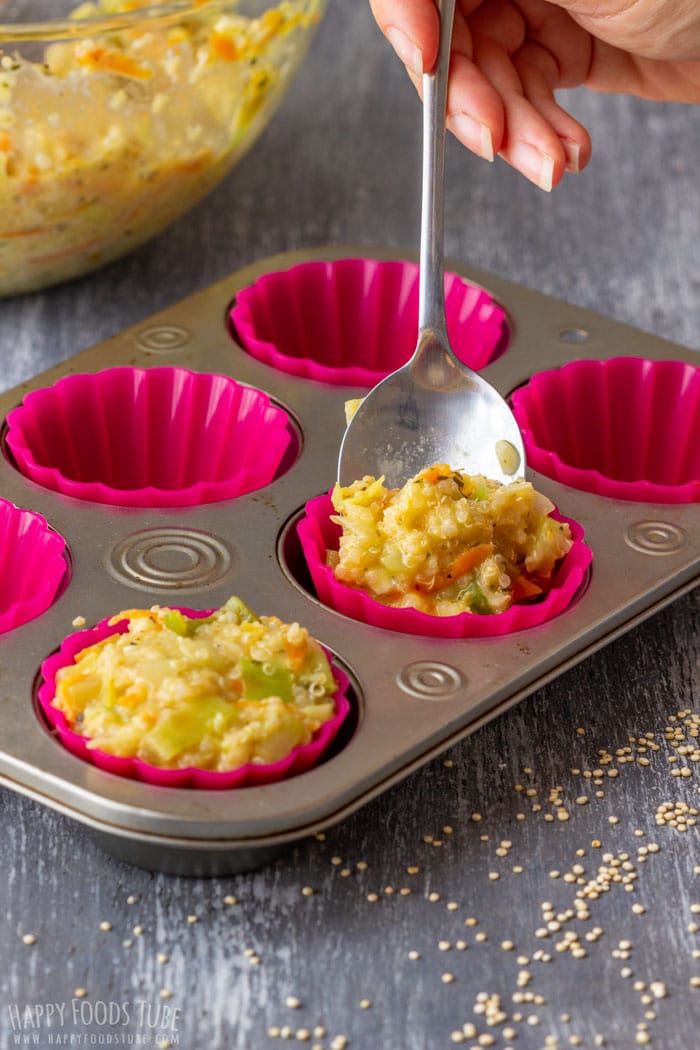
[(187, 626), (176, 622), (316, 661), (475, 599), (239, 611), (261, 680), (183, 729)]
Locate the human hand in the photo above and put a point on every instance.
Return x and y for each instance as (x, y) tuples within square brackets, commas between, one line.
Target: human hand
[(509, 57)]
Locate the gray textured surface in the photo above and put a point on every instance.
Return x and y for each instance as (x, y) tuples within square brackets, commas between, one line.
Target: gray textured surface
[(340, 163)]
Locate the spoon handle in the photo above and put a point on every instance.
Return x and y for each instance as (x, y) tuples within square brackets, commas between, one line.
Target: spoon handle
[(431, 301)]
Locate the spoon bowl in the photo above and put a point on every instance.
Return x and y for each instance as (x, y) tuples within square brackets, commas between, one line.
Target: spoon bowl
[(434, 409)]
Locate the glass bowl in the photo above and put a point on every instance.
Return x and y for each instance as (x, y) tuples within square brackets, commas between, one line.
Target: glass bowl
[(116, 116)]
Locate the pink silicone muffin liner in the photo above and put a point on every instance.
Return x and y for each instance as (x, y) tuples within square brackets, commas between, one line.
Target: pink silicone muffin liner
[(33, 565), (318, 533), (148, 437), (299, 760), (353, 321), (627, 428)]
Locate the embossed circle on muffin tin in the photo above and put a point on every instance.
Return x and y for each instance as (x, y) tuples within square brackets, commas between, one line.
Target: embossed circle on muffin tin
[(150, 437), (626, 427), (171, 558), (163, 338), (353, 321), (306, 537), (659, 538), (34, 565), (328, 739), (431, 680)]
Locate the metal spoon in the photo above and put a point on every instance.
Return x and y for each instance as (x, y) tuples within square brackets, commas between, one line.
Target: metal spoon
[(434, 409)]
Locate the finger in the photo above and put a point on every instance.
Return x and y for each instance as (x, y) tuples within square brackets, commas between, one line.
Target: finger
[(538, 72), (529, 143), (561, 37), (475, 112), (412, 27), (474, 109), (502, 22)]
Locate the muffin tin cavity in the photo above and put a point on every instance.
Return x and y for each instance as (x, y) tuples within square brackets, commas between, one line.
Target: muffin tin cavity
[(252, 774), (353, 321), (34, 565), (150, 437), (626, 427), (316, 533)]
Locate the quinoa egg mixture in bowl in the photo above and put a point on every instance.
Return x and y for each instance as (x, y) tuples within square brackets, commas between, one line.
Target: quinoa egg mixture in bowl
[(116, 116)]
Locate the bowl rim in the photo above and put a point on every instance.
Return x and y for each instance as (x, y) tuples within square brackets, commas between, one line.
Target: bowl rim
[(170, 11)]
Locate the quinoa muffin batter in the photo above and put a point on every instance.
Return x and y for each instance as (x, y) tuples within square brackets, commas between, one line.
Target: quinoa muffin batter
[(447, 543), (214, 693)]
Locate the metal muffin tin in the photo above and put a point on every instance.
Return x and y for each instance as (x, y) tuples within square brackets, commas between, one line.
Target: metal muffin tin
[(414, 697)]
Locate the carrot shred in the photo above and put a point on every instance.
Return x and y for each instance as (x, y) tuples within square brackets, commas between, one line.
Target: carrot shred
[(223, 47), (296, 653), (469, 559), (525, 588), (462, 564), (137, 614), (433, 474), (114, 62), (7, 234)]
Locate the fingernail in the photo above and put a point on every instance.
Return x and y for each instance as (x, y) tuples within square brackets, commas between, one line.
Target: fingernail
[(407, 51), (535, 165), (572, 152), (472, 133)]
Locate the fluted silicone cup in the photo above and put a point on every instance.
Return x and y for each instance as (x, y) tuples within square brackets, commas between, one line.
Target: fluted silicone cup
[(318, 533), (33, 565), (353, 321), (627, 428), (299, 760), (148, 437)]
